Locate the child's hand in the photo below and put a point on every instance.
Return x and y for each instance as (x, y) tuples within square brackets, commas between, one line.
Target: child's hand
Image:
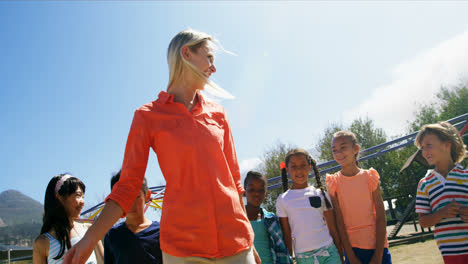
[(464, 213), (354, 260), (375, 259), (451, 210)]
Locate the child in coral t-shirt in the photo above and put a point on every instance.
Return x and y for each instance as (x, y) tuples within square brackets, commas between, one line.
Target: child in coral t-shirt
[(355, 194)]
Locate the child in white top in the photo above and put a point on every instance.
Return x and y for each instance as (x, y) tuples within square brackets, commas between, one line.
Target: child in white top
[(306, 214)]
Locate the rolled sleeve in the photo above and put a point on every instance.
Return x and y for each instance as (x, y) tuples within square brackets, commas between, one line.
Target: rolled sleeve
[(134, 164)]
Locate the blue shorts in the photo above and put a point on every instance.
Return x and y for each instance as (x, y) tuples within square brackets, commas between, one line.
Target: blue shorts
[(365, 255)]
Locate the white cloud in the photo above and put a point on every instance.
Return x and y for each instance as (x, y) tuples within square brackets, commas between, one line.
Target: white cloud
[(415, 81)]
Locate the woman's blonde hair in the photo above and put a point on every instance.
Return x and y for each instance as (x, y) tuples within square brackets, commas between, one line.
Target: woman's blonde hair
[(446, 132), (192, 39)]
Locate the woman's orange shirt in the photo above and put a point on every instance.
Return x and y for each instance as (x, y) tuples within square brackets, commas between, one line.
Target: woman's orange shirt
[(202, 214)]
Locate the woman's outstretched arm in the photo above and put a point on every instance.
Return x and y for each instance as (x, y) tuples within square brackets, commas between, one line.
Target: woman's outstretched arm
[(80, 252)]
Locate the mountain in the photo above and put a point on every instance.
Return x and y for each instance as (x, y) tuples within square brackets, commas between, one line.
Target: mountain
[(20, 219), (17, 208)]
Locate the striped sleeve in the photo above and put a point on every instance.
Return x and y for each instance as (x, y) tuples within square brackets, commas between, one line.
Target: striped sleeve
[(422, 199)]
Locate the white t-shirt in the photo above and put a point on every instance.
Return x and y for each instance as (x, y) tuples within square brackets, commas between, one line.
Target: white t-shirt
[(304, 209)]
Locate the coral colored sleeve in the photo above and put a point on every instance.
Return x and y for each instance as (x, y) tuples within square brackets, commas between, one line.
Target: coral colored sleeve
[(134, 164), (373, 179), (330, 181), (230, 154)]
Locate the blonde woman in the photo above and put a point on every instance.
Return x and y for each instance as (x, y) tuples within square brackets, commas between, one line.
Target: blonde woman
[(203, 218)]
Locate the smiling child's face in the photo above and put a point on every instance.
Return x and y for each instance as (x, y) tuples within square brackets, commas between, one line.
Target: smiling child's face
[(298, 168), (344, 152)]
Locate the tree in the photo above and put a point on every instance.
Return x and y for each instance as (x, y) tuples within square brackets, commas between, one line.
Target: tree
[(388, 165), (454, 102), (271, 168), (367, 135), (427, 114), (450, 103), (323, 146)]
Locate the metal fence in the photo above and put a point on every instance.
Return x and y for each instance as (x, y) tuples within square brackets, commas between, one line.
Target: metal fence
[(16, 255)]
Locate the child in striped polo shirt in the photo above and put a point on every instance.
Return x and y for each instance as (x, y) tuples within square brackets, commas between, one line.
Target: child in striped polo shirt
[(442, 197)]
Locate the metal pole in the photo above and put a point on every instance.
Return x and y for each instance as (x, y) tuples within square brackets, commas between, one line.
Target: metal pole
[(9, 250)]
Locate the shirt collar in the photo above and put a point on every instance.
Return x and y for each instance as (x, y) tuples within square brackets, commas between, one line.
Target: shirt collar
[(166, 97), (456, 167)]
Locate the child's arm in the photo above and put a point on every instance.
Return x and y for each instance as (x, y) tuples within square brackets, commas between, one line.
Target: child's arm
[(256, 256), (331, 223), (450, 210), (98, 249), (40, 250), (286, 233), (381, 226), (342, 232)]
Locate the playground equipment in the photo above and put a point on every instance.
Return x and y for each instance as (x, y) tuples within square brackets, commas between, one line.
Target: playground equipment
[(156, 200)]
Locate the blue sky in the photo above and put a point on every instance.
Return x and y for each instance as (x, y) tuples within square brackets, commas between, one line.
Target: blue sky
[(72, 74)]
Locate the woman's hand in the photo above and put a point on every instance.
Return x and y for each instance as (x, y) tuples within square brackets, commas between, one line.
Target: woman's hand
[(257, 257), (80, 252)]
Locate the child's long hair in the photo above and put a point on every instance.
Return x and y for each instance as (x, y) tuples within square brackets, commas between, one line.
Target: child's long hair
[(351, 136), (311, 161), (446, 132), (284, 177), (55, 216)]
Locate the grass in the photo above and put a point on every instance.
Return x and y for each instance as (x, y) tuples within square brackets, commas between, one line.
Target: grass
[(420, 252)]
